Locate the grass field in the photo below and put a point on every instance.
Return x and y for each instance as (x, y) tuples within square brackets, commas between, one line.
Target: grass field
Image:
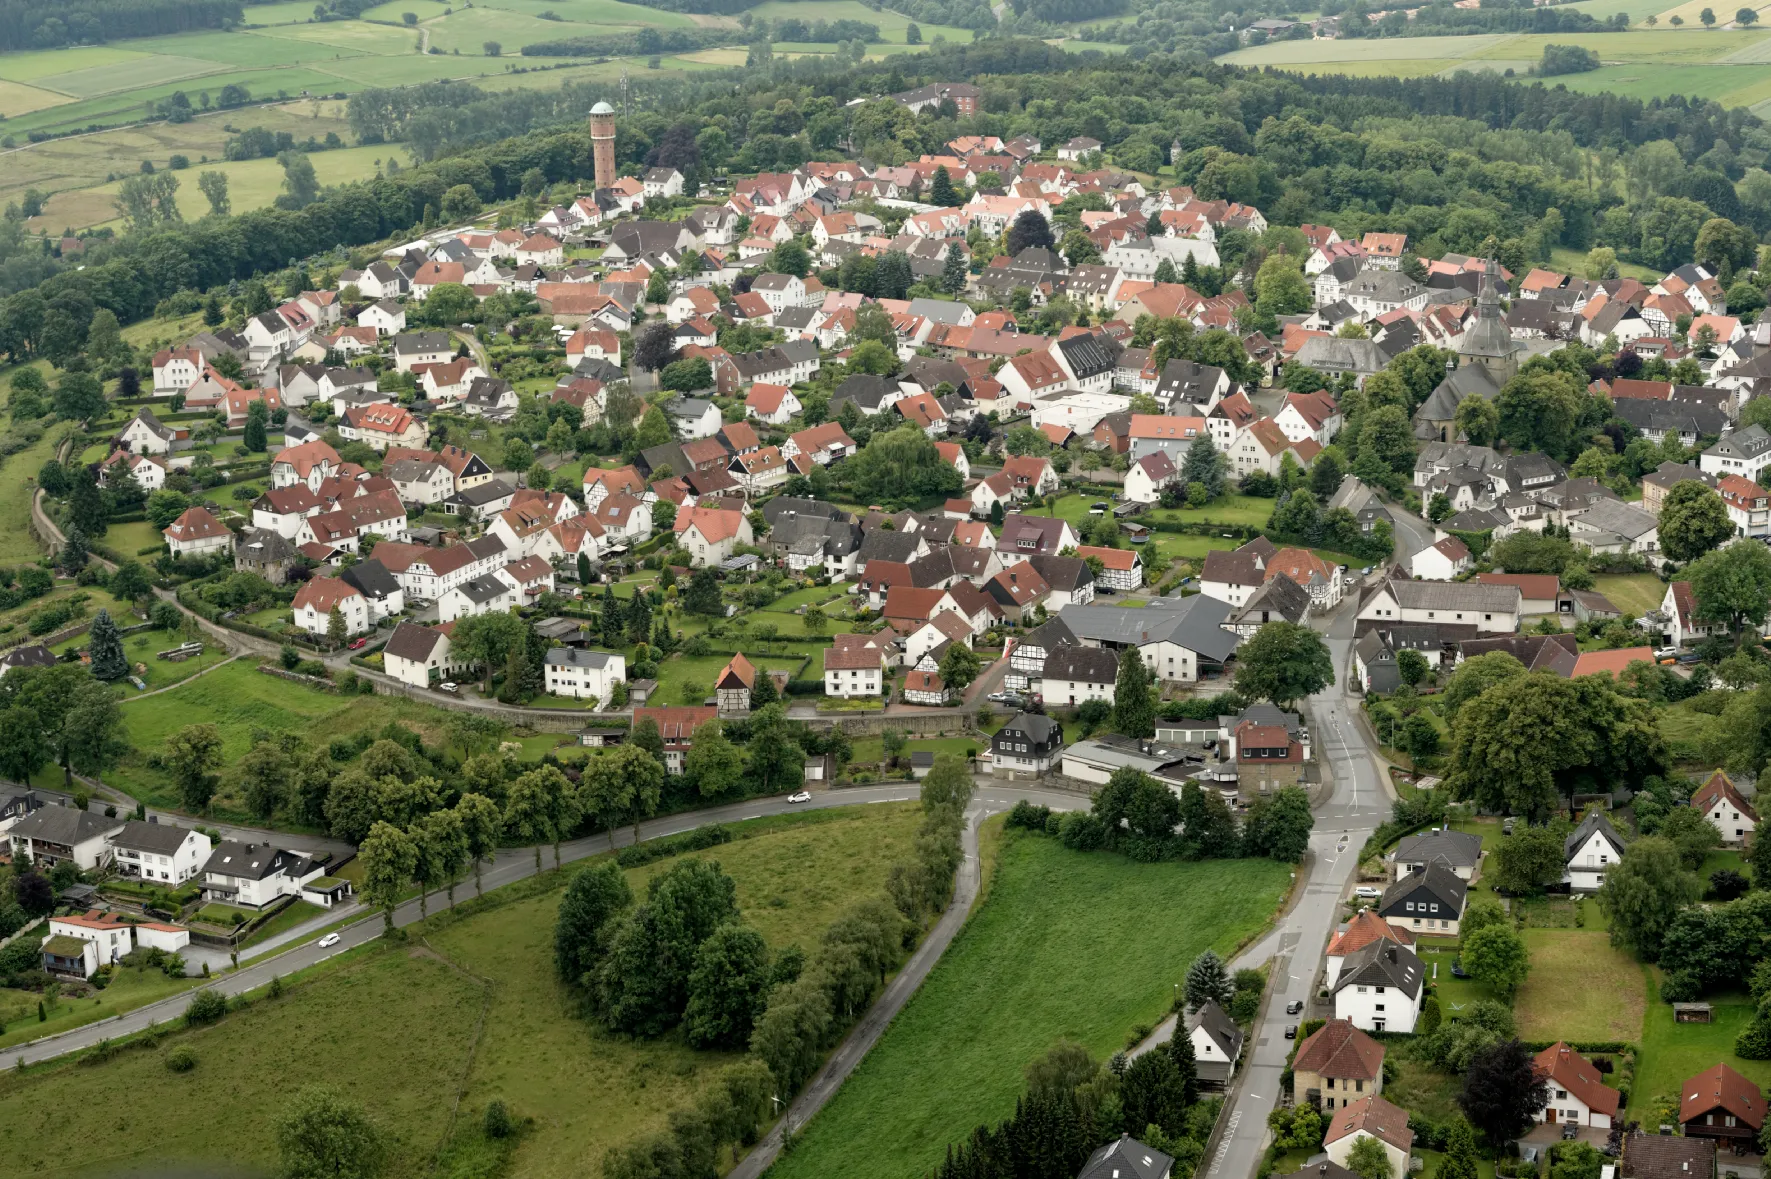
[(129, 989), (236, 699), (18, 479), (1046, 956), (1730, 66), (360, 1019), (1581, 987), (1633, 593), (1672, 1052), (588, 1090), (1231, 509)]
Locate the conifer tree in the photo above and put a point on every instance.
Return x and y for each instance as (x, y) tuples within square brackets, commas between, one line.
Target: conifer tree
[(106, 645)]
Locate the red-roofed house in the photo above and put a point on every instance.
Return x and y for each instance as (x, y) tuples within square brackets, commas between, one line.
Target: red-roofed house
[(1611, 663), (1578, 1095), (953, 454), (855, 666), (1337, 1064), (677, 727), (1366, 927), (196, 533), (1370, 1117), (1121, 569), (1730, 814), (774, 404), (1748, 504), (711, 534), (1720, 1103), (382, 426), (319, 596), (926, 687)]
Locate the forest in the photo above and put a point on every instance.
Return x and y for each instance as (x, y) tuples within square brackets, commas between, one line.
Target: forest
[(34, 24)]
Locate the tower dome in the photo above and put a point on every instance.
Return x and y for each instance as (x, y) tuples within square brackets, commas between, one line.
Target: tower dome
[(602, 108)]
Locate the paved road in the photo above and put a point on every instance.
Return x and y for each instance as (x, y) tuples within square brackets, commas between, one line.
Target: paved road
[(1360, 801), (1412, 534), (516, 864)]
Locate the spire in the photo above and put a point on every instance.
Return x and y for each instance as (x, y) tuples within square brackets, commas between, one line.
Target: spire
[(1488, 302)]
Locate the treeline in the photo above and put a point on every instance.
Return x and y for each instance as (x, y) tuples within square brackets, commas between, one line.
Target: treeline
[(1445, 20), (685, 957), (641, 42), (33, 24), (822, 32)]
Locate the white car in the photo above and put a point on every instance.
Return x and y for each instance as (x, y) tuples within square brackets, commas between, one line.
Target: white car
[(1369, 892), (801, 796), (449, 687), (330, 939)]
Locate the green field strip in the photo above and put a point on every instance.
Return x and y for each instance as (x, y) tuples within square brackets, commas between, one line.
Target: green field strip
[(100, 81), (356, 36), (40, 64)]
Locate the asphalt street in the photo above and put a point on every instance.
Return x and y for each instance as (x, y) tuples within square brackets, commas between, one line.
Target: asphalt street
[(512, 865)]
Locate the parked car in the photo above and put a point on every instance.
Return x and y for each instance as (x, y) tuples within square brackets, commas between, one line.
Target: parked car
[(449, 687), (1098, 509), (1569, 1131), (800, 796), (360, 643), (1368, 892), (1365, 572), (1666, 654)]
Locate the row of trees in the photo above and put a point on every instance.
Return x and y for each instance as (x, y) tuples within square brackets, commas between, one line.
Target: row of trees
[(789, 1007)]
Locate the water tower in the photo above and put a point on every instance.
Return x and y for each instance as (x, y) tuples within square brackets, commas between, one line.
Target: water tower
[(602, 143)]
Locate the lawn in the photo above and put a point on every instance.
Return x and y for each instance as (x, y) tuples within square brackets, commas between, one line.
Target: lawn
[(287, 918), (1046, 956), (236, 699), (1246, 510), (1581, 987), (1575, 261), (394, 1028), (18, 479), (589, 1090), (1421, 1089), (140, 649), (1673, 1052), (1633, 593), (129, 989)]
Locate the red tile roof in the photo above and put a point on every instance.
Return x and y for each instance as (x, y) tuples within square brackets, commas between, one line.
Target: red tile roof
[(1575, 1073), (1721, 1088), (1338, 1049)]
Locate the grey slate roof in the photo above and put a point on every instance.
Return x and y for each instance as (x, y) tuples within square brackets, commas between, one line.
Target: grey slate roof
[(1456, 849), (483, 588), (1382, 963), (1595, 822), (63, 824), (1090, 665), (578, 657), (1126, 1158), (1437, 882), (1219, 1026), (1195, 623), (411, 641), (162, 839)]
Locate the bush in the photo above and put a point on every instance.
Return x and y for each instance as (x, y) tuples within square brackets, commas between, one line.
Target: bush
[(497, 1120), (700, 839), (206, 1006), (181, 1059), (1029, 817)]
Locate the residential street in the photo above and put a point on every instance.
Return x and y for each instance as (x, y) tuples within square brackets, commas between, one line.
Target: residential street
[(513, 865)]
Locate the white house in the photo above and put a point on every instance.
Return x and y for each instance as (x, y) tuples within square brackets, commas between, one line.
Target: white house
[(1721, 803), (1578, 1095), (1441, 561), (387, 317), (416, 655), (774, 404), (1380, 988), (255, 874), (711, 534), (1590, 852), (855, 666), (159, 852), (582, 674), (196, 533), (1491, 609), (485, 594), (52, 835), (1217, 1043), (147, 434), (109, 935), (1745, 452), (318, 597)]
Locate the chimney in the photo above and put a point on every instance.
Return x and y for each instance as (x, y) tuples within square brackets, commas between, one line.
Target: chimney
[(154, 818), (1390, 953)]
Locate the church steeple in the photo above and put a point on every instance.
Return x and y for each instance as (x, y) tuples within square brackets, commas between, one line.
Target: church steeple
[(1487, 341)]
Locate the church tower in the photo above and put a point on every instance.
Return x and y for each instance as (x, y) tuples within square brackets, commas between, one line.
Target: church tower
[(1488, 342), (602, 143)]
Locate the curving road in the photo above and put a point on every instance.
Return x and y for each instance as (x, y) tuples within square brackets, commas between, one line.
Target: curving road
[(515, 864)]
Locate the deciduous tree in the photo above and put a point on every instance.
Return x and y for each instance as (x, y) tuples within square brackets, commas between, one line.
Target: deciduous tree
[(1284, 662), (1693, 521), (1644, 892), (1503, 1091), (389, 858)]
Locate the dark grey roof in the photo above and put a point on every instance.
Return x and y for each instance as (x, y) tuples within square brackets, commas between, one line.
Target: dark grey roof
[(483, 493), (1188, 381), (1455, 849), (688, 408), (1092, 665), (865, 390), (1383, 963), (1219, 1026), (1685, 417), (578, 657), (421, 342), (1195, 623), (1436, 880), (1050, 637), (1595, 823), (264, 544), (160, 838), (251, 861), (1278, 599), (372, 578), (1035, 726), (788, 505), (29, 655), (1126, 1158), (1064, 574), (883, 544), (1747, 443), (411, 641), (1441, 404), (63, 824), (1088, 355), (155, 426), (483, 588)]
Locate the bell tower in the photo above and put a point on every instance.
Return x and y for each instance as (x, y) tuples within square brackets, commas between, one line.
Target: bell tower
[(602, 143)]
